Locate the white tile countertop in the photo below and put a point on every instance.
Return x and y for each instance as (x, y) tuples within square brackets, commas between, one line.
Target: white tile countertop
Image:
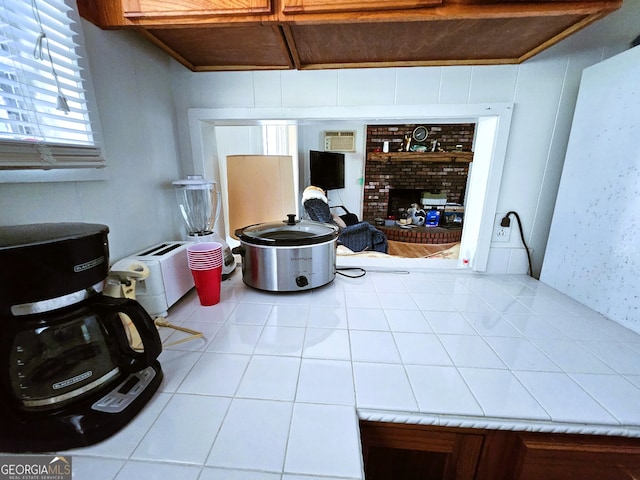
[(275, 388)]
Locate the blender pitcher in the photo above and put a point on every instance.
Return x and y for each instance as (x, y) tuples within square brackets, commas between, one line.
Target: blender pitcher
[(199, 204)]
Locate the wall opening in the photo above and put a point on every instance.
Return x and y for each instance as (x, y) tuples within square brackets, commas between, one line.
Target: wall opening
[(492, 130)]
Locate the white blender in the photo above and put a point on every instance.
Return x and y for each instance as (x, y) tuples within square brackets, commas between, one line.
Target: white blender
[(199, 203)]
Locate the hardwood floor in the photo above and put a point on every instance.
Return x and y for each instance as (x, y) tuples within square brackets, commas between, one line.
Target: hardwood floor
[(419, 250), (410, 250)]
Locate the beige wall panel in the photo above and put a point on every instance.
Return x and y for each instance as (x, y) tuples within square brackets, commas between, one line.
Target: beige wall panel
[(261, 189)]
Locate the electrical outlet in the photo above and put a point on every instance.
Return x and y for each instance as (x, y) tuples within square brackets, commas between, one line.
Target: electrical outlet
[(500, 233)]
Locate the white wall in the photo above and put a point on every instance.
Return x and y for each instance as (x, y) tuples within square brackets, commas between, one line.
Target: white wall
[(136, 85), (593, 254), (133, 90), (543, 89), (311, 137)]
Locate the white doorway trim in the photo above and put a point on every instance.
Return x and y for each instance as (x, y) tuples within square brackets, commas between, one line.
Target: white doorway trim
[(493, 124)]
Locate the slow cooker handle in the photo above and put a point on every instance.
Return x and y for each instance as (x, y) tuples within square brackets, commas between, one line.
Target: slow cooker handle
[(131, 360)]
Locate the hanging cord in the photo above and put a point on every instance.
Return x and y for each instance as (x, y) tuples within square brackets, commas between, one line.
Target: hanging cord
[(395, 272), (42, 43), (363, 272), (506, 220)]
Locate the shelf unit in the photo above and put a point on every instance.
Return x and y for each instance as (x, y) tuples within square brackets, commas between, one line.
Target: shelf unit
[(434, 157)]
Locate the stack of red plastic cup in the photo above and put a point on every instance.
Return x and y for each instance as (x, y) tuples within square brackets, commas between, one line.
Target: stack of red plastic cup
[(205, 263)]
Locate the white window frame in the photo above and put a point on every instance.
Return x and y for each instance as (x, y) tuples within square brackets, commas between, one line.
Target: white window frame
[(88, 173)]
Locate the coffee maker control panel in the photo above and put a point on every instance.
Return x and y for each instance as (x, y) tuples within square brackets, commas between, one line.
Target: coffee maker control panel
[(126, 392)]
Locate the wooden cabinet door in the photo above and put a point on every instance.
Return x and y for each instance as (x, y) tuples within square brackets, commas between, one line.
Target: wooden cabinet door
[(577, 457), (412, 452), (161, 8), (333, 6)]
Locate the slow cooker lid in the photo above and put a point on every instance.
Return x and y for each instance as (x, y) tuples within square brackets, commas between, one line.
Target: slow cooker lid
[(290, 232)]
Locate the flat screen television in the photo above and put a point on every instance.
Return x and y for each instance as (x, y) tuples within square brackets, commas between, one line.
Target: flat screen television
[(327, 169)]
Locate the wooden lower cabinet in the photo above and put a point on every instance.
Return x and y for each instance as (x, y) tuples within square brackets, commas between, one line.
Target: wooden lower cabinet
[(417, 452), (577, 457), (412, 452)]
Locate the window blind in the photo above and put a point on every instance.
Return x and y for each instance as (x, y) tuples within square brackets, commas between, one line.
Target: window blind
[(44, 115)]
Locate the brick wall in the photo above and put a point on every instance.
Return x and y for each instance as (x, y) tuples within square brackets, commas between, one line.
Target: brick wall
[(381, 177), (433, 236)]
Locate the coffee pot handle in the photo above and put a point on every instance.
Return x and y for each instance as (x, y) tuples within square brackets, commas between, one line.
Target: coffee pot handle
[(131, 360)]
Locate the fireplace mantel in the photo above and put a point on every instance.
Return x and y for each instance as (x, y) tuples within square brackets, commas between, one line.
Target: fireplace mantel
[(435, 157)]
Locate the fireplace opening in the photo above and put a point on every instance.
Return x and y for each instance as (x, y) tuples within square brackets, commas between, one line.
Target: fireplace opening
[(402, 198)]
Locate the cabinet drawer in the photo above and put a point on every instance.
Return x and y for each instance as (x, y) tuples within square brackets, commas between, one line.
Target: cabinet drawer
[(332, 6), (578, 457), (161, 8)]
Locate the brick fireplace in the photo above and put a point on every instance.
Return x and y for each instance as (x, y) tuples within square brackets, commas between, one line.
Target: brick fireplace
[(398, 179)]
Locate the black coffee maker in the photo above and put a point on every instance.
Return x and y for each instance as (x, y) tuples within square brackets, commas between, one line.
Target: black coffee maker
[(68, 374)]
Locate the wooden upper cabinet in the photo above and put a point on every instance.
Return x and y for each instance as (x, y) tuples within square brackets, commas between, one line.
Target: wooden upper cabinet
[(324, 6), (228, 47), (207, 35), (161, 8), (470, 41)]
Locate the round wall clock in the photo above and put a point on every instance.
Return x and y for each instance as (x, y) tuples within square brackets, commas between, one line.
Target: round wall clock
[(420, 133)]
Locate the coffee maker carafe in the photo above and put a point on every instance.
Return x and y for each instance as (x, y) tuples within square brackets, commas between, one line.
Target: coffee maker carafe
[(69, 375)]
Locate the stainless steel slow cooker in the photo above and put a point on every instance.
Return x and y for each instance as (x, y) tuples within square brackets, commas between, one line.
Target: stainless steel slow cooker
[(288, 255)]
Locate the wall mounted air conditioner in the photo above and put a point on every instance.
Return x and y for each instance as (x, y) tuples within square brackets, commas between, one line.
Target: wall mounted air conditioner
[(343, 141)]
